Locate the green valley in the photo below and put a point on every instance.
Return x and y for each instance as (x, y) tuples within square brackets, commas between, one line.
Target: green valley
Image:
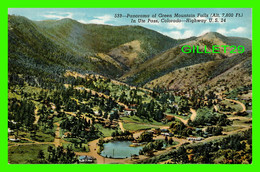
[(75, 89)]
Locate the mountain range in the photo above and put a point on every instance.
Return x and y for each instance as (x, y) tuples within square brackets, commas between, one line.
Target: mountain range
[(132, 54)]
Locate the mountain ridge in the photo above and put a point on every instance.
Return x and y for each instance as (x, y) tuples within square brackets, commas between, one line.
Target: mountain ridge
[(83, 41), (174, 58), (133, 54)]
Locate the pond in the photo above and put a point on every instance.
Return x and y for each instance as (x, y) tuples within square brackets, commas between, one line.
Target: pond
[(119, 149)]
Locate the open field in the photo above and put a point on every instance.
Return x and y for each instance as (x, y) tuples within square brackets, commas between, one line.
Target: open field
[(29, 153), (106, 131), (135, 119), (135, 126), (39, 136)]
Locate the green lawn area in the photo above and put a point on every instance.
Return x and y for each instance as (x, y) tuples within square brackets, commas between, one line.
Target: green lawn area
[(134, 123), (40, 136), (106, 131), (135, 126), (26, 154), (136, 119)]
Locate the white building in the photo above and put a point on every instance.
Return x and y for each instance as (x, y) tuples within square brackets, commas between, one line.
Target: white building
[(195, 138), (86, 159)]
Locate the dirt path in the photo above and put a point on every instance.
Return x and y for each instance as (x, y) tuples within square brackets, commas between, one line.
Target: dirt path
[(233, 113), (138, 133), (181, 119), (57, 140), (121, 126), (235, 101), (192, 117), (238, 102), (37, 117), (216, 108), (239, 118), (193, 114)]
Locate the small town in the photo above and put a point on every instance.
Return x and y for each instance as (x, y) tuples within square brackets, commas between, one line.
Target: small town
[(91, 120), (87, 86)]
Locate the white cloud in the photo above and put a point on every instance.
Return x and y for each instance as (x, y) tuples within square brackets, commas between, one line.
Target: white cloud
[(59, 15), (238, 30), (101, 19), (187, 34), (178, 26), (222, 31), (204, 32), (231, 31), (180, 35), (82, 21), (174, 34)]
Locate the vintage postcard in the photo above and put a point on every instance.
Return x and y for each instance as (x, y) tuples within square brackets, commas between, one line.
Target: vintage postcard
[(130, 86)]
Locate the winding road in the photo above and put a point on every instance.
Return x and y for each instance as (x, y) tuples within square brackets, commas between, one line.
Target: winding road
[(238, 102), (235, 101), (192, 117)]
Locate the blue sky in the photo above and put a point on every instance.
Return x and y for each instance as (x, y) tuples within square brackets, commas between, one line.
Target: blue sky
[(234, 26)]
